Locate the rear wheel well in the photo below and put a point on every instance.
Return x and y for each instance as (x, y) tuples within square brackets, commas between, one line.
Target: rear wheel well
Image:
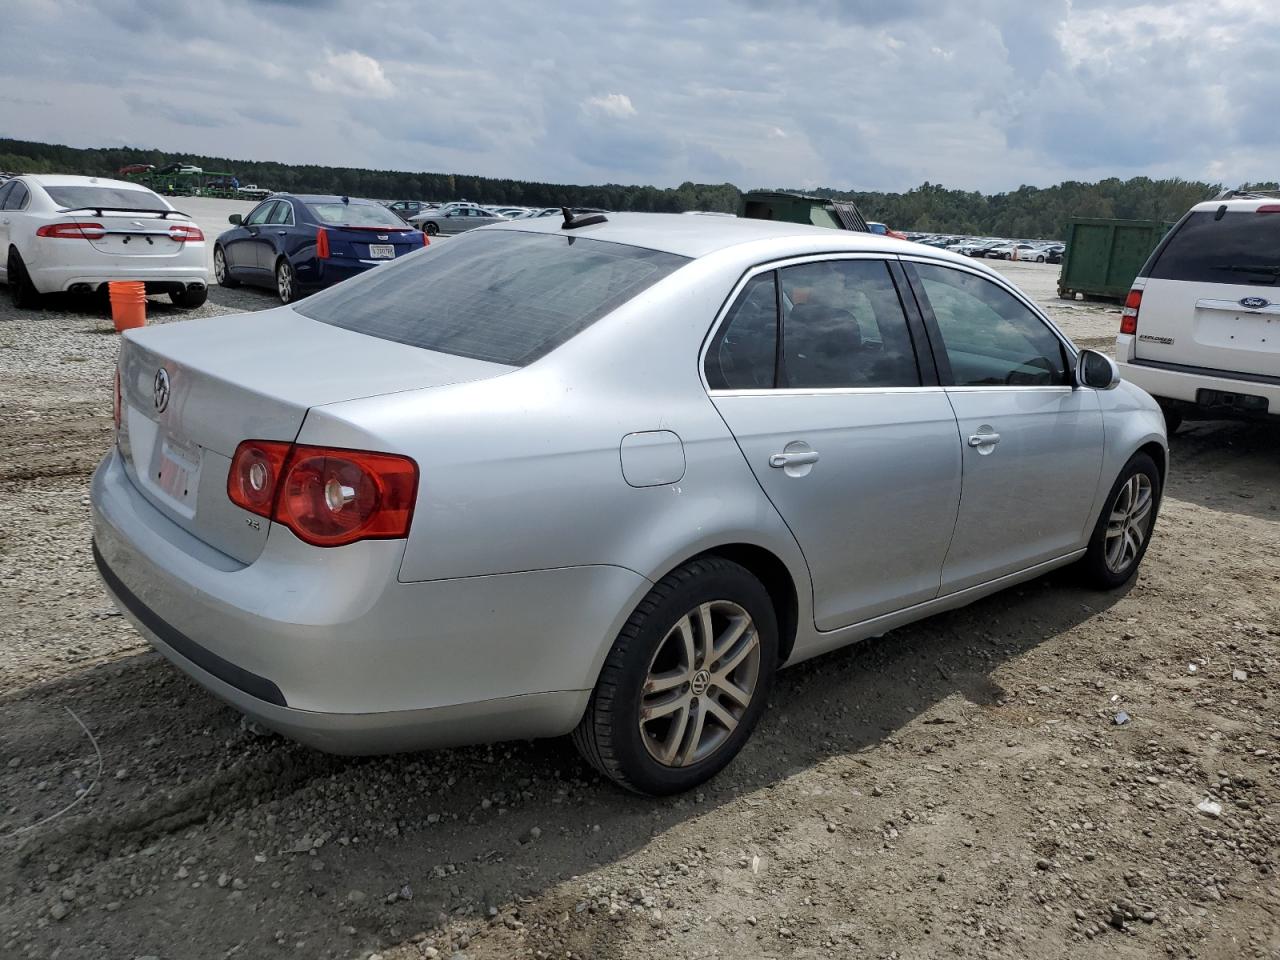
[(777, 580)]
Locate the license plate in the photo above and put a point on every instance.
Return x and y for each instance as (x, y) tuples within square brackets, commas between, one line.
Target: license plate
[(382, 251), (179, 470)]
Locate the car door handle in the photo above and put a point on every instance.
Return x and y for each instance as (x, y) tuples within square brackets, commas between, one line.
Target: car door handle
[(781, 460), (984, 439), (281, 233)]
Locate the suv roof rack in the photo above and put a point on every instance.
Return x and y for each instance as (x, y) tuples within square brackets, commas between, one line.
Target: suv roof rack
[(1248, 195)]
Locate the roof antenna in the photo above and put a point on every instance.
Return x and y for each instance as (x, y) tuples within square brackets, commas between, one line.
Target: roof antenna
[(581, 220), (346, 199)]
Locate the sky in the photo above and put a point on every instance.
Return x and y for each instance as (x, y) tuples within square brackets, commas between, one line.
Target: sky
[(854, 94)]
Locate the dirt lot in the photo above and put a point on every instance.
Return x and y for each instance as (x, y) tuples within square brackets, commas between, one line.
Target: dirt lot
[(958, 788)]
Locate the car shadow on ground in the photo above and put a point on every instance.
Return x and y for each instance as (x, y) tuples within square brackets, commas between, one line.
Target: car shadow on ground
[(464, 828), (1229, 466)]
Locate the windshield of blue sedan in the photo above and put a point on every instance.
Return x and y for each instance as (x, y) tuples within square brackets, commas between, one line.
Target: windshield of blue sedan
[(496, 295), (341, 214)]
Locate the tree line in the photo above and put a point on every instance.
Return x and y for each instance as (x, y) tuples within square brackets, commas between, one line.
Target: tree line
[(1025, 212)]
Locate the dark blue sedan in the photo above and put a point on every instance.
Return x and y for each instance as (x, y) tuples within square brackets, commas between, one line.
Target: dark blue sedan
[(297, 243)]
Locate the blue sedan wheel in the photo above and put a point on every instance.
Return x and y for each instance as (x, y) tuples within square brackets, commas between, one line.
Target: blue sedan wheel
[(221, 272)]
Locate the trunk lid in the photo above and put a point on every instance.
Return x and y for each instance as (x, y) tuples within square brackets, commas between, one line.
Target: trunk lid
[(1218, 326), (192, 391), (373, 243), (134, 234)]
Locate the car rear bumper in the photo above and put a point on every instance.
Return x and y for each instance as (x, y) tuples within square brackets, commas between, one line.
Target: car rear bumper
[(1188, 385), (329, 648), (58, 279)]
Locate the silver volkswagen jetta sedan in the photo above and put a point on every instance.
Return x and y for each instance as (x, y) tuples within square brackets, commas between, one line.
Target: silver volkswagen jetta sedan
[(603, 479)]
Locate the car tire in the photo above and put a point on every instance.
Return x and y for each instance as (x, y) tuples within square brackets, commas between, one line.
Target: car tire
[(1039, 259), (21, 290), (189, 298), (431, 229), (286, 281), (1118, 545), (662, 644), (221, 272)]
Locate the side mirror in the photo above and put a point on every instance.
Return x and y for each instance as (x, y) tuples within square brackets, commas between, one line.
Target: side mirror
[(235, 218), (1097, 370)]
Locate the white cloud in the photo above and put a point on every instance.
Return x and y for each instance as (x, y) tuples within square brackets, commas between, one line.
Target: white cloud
[(351, 73), (616, 105)]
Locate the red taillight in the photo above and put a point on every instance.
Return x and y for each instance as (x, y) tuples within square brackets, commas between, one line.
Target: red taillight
[(1269, 208), (185, 233), (327, 497), (1129, 315), (322, 244), (255, 474), (72, 231), (426, 241)]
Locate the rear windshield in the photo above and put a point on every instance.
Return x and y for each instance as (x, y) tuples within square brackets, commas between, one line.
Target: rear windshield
[(75, 198), (1241, 247), (495, 295), (341, 214)]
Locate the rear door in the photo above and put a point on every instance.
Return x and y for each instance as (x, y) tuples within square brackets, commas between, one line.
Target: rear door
[(1211, 299), (1030, 441), (814, 370), (6, 221)]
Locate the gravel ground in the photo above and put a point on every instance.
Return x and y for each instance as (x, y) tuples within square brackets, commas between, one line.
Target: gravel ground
[(958, 788)]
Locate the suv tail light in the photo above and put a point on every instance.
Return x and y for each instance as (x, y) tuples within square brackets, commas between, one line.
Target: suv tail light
[(1129, 315), (327, 496), (185, 233), (322, 243), (72, 231)]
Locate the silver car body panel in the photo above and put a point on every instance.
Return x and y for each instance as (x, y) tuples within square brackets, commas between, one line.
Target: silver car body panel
[(531, 543)]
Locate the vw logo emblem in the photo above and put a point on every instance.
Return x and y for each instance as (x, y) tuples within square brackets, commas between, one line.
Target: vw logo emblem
[(1255, 303), (701, 680), (160, 390)]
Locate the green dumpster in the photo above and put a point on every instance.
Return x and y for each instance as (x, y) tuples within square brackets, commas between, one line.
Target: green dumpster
[(1103, 256), (798, 208)]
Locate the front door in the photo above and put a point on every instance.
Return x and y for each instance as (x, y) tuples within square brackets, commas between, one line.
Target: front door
[(815, 372), (1031, 441), (241, 248)]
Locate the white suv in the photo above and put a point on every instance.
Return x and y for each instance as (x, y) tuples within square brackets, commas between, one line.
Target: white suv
[(1200, 329)]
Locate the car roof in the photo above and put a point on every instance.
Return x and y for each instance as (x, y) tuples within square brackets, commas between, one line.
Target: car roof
[(324, 198), (698, 236), (1246, 205), (69, 180)]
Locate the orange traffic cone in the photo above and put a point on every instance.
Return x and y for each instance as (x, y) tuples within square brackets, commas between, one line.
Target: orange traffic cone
[(128, 304)]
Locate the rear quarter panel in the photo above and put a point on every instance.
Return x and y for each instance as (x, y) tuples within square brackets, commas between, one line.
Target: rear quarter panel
[(523, 471)]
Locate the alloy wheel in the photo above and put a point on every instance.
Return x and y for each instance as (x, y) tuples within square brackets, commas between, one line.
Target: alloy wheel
[(1129, 522), (219, 265), (284, 282), (700, 683)]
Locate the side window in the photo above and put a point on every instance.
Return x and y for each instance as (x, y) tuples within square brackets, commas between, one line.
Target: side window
[(5, 189), (260, 214), (17, 198), (742, 354), (990, 338), (282, 214), (843, 326)]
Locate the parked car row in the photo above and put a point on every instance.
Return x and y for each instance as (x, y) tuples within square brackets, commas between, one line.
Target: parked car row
[(994, 248)]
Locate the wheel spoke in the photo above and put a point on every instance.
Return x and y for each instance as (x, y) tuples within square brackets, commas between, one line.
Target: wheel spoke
[(675, 736), (685, 627), (735, 657), (707, 636), (725, 718), (655, 711), (692, 736), (724, 643), (667, 680), (733, 692)]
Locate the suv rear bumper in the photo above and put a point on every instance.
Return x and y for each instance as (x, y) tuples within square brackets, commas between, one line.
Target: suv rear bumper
[(1166, 381)]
